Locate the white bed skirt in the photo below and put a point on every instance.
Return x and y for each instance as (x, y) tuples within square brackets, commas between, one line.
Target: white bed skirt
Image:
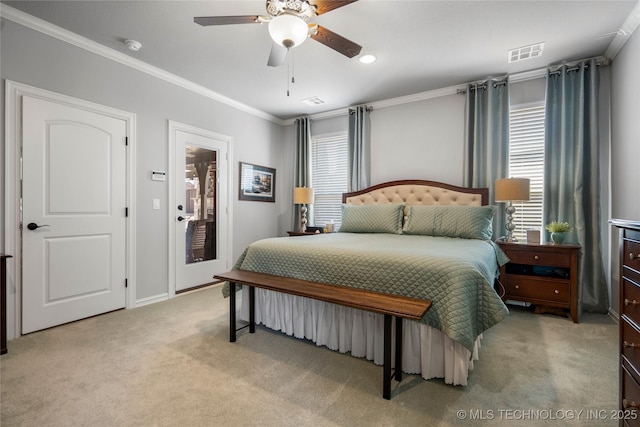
[(425, 350)]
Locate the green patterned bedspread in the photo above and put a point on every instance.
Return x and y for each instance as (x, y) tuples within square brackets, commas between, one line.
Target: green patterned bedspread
[(457, 275)]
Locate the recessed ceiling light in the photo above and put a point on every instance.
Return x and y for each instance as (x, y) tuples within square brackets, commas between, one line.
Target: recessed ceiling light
[(367, 59)]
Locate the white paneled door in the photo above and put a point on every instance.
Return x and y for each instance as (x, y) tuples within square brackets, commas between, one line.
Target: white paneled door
[(74, 213)]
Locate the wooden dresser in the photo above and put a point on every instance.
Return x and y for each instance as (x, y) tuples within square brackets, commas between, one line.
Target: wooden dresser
[(542, 274), (629, 321)]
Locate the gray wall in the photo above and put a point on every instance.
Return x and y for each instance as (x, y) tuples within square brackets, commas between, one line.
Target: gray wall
[(431, 130), (625, 129), (419, 140), (625, 147), (34, 59)]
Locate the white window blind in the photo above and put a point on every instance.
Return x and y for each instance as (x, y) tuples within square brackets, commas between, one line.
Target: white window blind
[(329, 160), (526, 160)]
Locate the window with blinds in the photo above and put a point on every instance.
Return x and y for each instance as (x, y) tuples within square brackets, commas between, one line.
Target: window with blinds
[(526, 160), (329, 166)]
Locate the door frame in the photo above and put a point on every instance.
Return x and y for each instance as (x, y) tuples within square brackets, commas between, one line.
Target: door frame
[(172, 128), (14, 92)]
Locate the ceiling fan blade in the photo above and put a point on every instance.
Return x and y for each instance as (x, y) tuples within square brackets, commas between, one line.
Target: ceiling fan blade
[(336, 42), (225, 20), (324, 6), (277, 55)]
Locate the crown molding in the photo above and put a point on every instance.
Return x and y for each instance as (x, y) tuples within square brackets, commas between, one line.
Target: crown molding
[(416, 97), (67, 36), (624, 33)]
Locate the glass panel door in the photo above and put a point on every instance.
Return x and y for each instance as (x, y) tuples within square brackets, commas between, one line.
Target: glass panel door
[(199, 208), (200, 204)]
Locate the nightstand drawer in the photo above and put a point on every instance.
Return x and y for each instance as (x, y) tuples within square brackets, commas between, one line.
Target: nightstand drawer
[(538, 289), (631, 254), (548, 258)]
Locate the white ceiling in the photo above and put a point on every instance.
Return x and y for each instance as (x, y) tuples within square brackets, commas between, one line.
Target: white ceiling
[(421, 45)]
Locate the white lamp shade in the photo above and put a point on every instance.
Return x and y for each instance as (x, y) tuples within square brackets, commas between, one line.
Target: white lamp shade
[(302, 195), (512, 190), (288, 30)]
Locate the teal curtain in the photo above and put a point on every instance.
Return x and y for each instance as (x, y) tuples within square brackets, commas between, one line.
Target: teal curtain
[(572, 176), (487, 147), (302, 168), (359, 148)]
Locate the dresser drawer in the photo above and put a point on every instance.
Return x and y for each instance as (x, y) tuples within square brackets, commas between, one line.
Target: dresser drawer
[(631, 254), (631, 300), (630, 343), (533, 257), (630, 396), (533, 288), (629, 273)]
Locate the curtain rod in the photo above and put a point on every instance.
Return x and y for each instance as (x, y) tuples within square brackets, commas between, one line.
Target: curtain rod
[(482, 85), (542, 72), (366, 107)]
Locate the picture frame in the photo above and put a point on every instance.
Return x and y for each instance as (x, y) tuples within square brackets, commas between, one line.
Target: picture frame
[(257, 183)]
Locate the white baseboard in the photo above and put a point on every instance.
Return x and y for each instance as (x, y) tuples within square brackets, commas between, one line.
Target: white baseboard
[(152, 300)]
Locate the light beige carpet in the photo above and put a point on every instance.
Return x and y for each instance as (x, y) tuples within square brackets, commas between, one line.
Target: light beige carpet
[(171, 364)]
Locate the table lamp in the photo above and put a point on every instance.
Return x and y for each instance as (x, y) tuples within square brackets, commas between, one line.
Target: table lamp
[(303, 196), (511, 190)]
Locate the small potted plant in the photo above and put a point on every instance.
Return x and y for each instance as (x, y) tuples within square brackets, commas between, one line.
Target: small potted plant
[(557, 230)]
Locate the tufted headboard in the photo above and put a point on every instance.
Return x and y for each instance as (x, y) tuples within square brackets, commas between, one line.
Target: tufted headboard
[(418, 192)]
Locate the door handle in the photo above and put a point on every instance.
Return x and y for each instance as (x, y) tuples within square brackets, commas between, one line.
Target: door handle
[(33, 226), (180, 218)]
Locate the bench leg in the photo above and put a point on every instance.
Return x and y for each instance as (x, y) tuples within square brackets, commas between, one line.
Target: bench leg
[(386, 371), (232, 312), (398, 369), (252, 309)]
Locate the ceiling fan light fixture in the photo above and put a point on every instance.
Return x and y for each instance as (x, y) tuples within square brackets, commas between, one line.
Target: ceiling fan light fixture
[(288, 30)]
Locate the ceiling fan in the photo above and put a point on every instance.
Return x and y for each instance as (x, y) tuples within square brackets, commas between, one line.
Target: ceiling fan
[(289, 26)]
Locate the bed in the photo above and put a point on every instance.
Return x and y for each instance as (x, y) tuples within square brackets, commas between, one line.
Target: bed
[(416, 238)]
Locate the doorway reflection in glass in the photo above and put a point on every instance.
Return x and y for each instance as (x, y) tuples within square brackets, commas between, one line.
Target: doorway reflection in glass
[(200, 209)]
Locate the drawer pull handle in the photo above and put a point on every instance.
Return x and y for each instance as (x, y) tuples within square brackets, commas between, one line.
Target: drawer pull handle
[(536, 257), (627, 405), (627, 344), (628, 302), (633, 256), (556, 291), (517, 286)]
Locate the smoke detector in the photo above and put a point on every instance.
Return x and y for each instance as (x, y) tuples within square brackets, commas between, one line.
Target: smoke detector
[(133, 45)]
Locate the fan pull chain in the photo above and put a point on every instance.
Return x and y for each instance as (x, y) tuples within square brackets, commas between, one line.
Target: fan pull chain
[(288, 74), (291, 69)]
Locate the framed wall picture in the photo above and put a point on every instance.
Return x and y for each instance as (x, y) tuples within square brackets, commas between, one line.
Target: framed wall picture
[(257, 183)]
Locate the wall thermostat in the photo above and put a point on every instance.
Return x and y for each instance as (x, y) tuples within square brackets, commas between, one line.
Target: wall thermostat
[(158, 176)]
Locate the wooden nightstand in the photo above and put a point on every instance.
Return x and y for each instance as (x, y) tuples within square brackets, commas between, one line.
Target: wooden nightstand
[(542, 274)]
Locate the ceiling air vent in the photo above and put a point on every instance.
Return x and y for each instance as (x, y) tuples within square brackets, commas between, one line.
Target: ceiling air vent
[(526, 52), (314, 100)]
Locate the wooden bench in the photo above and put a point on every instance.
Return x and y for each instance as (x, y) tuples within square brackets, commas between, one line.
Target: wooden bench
[(396, 306)]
